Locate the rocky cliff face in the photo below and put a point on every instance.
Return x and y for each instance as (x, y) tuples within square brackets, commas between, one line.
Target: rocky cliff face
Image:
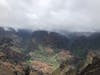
[(47, 53), (8, 67), (92, 64)]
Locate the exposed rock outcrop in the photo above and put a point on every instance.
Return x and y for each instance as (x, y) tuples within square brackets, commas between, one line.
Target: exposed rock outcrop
[(9, 68), (92, 64)]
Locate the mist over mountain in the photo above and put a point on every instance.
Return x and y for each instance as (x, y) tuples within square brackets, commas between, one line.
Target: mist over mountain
[(66, 40), (49, 37)]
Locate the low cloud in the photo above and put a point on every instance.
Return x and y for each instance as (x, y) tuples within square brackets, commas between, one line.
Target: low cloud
[(73, 15)]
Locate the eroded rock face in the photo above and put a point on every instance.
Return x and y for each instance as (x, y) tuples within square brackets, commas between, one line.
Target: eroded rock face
[(91, 67), (41, 68), (66, 68), (92, 64), (9, 68)]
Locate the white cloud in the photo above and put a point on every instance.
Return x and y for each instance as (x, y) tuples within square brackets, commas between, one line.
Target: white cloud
[(74, 15)]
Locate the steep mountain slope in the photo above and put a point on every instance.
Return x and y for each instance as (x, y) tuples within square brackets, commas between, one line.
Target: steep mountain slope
[(92, 64), (58, 54), (51, 39)]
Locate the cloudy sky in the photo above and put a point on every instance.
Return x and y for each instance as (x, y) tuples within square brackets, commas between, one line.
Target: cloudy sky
[(74, 15)]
